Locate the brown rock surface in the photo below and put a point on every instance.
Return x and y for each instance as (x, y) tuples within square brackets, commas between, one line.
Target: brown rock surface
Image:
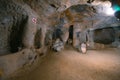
[(29, 27)]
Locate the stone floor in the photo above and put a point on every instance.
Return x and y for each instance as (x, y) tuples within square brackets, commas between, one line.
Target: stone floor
[(72, 65)]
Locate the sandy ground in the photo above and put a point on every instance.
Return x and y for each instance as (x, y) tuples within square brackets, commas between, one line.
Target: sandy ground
[(72, 65)]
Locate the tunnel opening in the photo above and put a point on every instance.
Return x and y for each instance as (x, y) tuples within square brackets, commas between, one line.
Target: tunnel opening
[(104, 35), (71, 32), (16, 35), (117, 14), (70, 39)]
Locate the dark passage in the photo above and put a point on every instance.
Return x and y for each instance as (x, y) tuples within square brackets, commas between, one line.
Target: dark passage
[(17, 34)]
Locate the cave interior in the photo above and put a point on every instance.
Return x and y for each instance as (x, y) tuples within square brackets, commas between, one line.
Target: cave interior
[(59, 33)]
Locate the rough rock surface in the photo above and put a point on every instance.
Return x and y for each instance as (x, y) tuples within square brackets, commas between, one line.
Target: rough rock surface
[(29, 27)]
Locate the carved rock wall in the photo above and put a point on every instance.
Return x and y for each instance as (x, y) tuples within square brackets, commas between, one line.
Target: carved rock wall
[(29, 27)]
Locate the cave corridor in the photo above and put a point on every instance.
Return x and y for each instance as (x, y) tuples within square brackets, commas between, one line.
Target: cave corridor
[(59, 40)]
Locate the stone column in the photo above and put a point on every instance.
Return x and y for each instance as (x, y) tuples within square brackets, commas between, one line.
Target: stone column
[(91, 38), (4, 40), (65, 31), (76, 31), (29, 32), (5, 30), (43, 35)]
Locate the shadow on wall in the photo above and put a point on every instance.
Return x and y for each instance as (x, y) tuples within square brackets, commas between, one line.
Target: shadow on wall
[(37, 39), (17, 34), (108, 38)]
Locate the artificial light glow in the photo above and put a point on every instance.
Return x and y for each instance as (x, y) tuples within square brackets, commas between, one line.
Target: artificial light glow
[(116, 8), (110, 11)]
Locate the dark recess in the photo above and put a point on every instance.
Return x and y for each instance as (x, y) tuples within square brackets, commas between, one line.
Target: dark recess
[(117, 14), (71, 32), (104, 35), (53, 5), (17, 34), (37, 39)]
